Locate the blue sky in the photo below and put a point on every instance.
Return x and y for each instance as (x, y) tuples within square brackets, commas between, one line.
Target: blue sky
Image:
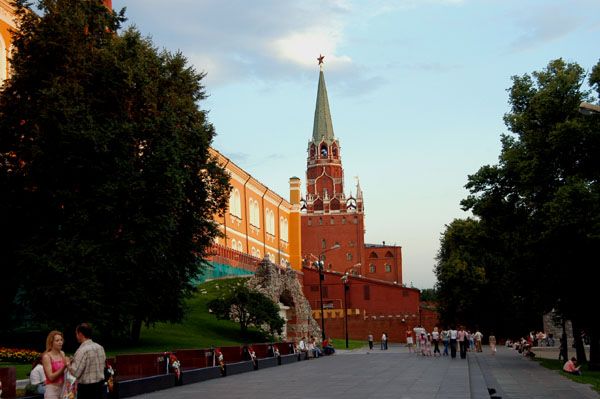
[(417, 91)]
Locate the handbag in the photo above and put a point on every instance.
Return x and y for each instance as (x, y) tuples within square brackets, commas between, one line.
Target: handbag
[(70, 389)]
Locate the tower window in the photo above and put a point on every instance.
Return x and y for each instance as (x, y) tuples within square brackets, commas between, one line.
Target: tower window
[(388, 268), (310, 221), (323, 150), (323, 243), (349, 256), (332, 221), (355, 219), (343, 219), (351, 244), (372, 268), (321, 221)]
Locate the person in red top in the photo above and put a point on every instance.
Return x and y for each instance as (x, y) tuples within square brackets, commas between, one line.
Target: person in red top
[(55, 363), (328, 348), (409, 340), (570, 368)]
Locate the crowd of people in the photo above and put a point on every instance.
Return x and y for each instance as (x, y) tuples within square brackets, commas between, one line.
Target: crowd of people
[(419, 341), (52, 368)]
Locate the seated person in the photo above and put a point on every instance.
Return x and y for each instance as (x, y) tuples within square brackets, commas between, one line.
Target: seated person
[(312, 346), (37, 378), (570, 368), (302, 346), (328, 347)]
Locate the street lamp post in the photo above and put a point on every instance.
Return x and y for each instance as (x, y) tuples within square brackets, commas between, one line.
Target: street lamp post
[(346, 288), (321, 278)]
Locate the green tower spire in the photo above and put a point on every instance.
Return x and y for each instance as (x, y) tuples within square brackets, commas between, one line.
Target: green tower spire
[(322, 128)]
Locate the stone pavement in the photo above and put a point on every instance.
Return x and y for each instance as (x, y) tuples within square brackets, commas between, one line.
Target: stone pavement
[(393, 374)]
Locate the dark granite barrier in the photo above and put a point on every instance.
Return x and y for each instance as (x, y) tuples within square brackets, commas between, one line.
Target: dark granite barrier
[(199, 375), (267, 362), (238, 368), (286, 359), (140, 386)]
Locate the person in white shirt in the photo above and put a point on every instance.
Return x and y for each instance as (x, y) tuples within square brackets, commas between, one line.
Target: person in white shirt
[(453, 337), (37, 377)]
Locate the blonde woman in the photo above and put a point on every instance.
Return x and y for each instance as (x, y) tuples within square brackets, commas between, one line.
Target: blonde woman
[(55, 363)]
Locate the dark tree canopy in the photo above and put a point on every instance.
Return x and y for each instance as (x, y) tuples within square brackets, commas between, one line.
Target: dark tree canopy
[(538, 210), (108, 189), (249, 308)]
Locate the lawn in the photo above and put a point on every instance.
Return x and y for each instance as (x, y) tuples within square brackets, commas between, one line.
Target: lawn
[(199, 329), (589, 377)]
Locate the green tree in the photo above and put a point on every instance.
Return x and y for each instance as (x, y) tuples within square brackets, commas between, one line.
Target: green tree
[(543, 198), (108, 189), (428, 295), (249, 308)]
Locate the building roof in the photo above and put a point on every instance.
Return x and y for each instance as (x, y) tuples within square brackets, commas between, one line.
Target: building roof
[(323, 127)]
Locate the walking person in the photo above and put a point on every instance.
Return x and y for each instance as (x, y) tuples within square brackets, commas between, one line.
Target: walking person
[(409, 340), (370, 341), (492, 340), (384, 341), (462, 342), (478, 338), (55, 363), (435, 336), (88, 365), (418, 331), (445, 340), (453, 338)]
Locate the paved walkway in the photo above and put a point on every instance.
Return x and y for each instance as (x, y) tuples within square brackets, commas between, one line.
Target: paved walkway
[(393, 374)]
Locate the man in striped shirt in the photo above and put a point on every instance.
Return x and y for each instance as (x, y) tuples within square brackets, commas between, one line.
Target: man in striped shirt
[(88, 365)]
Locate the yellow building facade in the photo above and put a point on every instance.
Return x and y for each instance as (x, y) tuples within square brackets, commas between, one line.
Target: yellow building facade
[(7, 24), (259, 222)]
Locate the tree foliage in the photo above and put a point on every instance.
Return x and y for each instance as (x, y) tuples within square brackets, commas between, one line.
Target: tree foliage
[(538, 209), (108, 189), (249, 308)]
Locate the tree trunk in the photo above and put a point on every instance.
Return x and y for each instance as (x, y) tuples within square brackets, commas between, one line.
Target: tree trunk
[(581, 357), (594, 363), (136, 328)]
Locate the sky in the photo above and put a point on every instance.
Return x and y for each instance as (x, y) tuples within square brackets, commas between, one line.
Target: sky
[(417, 91)]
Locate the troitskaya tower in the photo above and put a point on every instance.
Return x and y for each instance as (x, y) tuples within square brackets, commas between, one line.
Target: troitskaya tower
[(329, 216)]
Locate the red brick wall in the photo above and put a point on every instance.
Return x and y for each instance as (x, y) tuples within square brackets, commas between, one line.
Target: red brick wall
[(359, 326), (372, 296)]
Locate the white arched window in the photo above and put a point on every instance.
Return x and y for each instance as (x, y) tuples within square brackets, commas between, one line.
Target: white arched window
[(270, 222), (283, 228), (235, 205), (240, 247), (251, 215), (234, 244), (256, 214)]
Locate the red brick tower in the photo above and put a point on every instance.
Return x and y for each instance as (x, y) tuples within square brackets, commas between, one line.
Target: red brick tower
[(329, 216)]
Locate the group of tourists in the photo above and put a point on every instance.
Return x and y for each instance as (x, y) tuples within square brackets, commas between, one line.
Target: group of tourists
[(49, 375), (420, 341)]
